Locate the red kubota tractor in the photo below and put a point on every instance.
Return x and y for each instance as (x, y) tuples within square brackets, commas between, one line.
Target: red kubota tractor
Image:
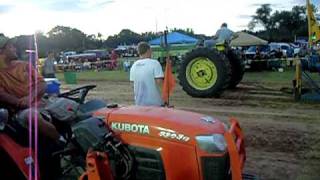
[(110, 142)]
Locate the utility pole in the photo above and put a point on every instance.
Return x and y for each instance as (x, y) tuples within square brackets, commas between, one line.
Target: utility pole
[(156, 25)]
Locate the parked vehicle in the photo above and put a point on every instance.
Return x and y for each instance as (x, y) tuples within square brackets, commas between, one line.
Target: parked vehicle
[(101, 54), (65, 55), (126, 51), (286, 49), (296, 49), (68, 53), (264, 50), (257, 53), (89, 56)]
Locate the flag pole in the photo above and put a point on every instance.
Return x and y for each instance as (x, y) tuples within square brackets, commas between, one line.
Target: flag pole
[(36, 103), (167, 60), (309, 11)]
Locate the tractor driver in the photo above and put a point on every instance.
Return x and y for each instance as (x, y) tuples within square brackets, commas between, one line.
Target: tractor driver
[(147, 77), (224, 34), (14, 89)]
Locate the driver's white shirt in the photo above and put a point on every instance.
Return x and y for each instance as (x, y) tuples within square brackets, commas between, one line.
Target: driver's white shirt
[(143, 74)]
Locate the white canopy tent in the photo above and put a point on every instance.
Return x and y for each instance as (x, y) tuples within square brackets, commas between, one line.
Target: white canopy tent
[(245, 39)]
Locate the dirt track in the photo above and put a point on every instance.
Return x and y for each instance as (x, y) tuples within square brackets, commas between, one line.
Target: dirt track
[(282, 136)]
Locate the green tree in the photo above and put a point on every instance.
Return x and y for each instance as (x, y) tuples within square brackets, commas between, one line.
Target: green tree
[(125, 37), (187, 31), (262, 17), (280, 25), (43, 45), (147, 36), (66, 38)]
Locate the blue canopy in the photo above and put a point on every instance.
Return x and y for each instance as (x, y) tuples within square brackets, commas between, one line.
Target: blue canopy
[(174, 38)]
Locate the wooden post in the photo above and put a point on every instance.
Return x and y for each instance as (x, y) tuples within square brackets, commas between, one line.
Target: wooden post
[(297, 82)]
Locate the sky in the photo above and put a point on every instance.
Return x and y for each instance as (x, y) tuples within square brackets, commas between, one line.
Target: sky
[(109, 17)]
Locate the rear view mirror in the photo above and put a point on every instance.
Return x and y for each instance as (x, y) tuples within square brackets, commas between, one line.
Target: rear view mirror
[(4, 117)]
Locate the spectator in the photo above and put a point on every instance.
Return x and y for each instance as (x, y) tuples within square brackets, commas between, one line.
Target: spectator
[(99, 64), (126, 65), (86, 64), (147, 76), (258, 53), (79, 64), (303, 51), (72, 65), (48, 70), (279, 53), (114, 58)]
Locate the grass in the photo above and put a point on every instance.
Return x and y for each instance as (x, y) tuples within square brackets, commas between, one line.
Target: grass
[(99, 76), (269, 76), (103, 75), (274, 78), (265, 77)]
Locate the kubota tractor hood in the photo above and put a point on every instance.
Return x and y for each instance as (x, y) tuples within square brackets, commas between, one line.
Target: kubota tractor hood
[(166, 123)]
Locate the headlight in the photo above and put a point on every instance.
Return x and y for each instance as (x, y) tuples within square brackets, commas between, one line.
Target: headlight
[(212, 143)]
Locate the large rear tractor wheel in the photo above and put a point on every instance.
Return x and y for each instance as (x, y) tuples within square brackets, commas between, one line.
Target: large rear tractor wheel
[(237, 69), (204, 72)]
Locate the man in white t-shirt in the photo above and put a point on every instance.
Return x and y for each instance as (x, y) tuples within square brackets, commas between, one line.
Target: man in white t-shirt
[(147, 77)]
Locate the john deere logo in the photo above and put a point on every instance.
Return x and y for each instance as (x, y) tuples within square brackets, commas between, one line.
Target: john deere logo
[(127, 127)]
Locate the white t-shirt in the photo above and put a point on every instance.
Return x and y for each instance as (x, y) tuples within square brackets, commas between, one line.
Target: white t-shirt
[(143, 73)]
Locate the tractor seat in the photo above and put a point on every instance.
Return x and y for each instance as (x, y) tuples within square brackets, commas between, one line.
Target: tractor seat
[(87, 109), (92, 105)]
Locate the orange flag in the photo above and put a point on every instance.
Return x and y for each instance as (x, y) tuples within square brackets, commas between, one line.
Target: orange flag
[(168, 83)]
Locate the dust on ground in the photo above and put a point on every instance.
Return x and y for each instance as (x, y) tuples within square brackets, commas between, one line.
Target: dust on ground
[(282, 136)]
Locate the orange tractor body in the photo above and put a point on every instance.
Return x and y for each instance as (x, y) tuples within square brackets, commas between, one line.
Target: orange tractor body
[(175, 144)]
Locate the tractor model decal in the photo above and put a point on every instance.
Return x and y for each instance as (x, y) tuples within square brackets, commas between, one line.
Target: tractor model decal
[(170, 134), (127, 127)]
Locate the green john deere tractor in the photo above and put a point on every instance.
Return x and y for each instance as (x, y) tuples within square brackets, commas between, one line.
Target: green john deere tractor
[(208, 71)]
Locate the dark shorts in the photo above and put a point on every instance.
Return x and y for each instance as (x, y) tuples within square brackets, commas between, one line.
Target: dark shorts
[(23, 116)]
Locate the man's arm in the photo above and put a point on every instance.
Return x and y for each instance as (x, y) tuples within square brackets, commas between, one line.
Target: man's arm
[(8, 99), (158, 74), (216, 36), (159, 82), (41, 86), (54, 66), (131, 77), (44, 66)]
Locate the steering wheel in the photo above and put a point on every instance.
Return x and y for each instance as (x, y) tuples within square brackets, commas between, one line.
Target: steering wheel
[(80, 92)]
